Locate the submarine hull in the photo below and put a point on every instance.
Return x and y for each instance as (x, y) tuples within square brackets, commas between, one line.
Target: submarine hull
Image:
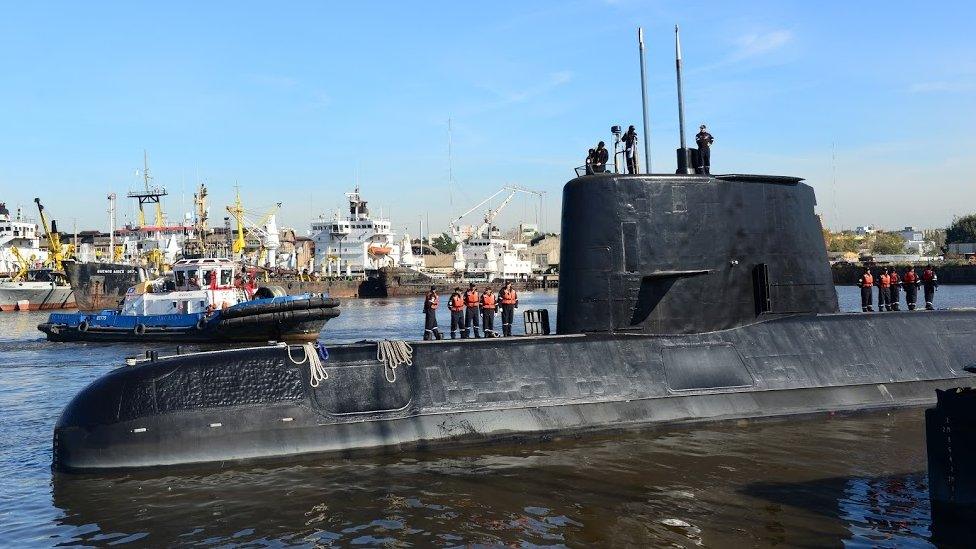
[(259, 402)]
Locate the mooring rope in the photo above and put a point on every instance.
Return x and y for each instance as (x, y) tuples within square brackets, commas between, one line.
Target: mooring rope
[(315, 353), (392, 354)]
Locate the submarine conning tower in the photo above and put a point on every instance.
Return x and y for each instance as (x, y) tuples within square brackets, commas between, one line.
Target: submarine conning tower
[(673, 254)]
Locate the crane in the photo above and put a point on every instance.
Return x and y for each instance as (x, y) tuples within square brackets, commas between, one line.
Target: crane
[(491, 214), (22, 264), (237, 210), (265, 230), (57, 252)]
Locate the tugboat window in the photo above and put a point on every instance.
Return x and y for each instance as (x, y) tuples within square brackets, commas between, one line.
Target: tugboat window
[(181, 278), (225, 277)]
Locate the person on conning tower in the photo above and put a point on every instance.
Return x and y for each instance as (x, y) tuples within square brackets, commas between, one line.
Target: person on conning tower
[(630, 149), (600, 157), (866, 282), (704, 141)]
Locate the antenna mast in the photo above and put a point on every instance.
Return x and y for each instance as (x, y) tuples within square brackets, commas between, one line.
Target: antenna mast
[(684, 160), (647, 128)]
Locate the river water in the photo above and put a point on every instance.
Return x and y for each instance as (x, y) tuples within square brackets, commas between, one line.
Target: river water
[(857, 480)]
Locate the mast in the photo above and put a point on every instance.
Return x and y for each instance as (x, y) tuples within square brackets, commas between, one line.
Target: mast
[(686, 168), (111, 226), (647, 129)]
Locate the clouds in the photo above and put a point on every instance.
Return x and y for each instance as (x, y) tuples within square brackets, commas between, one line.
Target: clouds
[(759, 44)]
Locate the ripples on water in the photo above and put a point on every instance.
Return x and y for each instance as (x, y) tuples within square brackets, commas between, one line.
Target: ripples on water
[(819, 481)]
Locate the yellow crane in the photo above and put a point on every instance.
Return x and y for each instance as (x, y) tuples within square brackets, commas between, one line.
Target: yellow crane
[(237, 210), (23, 265), (57, 252)]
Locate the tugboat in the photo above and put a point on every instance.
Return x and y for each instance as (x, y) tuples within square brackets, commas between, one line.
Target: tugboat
[(202, 302)]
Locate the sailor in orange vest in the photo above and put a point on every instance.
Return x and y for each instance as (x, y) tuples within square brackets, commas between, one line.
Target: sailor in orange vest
[(456, 305), (472, 302), (930, 281), (488, 305), (431, 301), (884, 291), (895, 282), (509, 300), (866, 282), (910, 283)]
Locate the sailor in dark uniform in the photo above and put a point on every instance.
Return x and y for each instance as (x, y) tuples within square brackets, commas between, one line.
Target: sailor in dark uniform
[(910, 283), (630, 149), (600, 158), (704, 140)]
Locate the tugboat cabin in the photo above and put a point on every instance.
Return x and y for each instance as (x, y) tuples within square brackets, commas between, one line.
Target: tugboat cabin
[(197, 286)]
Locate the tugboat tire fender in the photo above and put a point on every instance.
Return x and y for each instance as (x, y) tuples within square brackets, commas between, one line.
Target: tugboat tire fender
[(202, 323), (83, 326), (139, 329)]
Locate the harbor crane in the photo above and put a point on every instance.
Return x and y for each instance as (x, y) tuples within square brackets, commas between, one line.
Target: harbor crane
[(491, 214), (266, 230), (23, 265), (57, 252)]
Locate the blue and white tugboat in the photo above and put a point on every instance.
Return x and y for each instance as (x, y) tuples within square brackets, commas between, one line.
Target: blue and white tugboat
[(203, 301)]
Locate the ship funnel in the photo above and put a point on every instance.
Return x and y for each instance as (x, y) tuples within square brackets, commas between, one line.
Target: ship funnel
[(670, 254)]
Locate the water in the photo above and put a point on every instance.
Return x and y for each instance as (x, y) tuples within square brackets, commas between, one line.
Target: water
[(825, 480)]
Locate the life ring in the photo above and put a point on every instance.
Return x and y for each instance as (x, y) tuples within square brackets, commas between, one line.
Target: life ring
[(83, 326), (139, 329), (201, 323)]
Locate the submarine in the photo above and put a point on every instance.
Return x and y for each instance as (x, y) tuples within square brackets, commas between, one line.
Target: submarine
[(683, 298)]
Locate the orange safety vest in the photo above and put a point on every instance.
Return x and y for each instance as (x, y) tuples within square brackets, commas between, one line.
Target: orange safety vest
[(488, 302), (868, 280), (509, 297), (885, 281), (928, 275), (910, 277), (894, 279), (432, 300), (457, 304), (472, 299)]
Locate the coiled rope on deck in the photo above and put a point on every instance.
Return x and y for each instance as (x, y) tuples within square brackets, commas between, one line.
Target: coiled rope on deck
[(315, 353), (392, 354)]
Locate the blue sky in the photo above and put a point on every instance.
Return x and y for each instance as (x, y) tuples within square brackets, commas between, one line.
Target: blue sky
[(292, 100)]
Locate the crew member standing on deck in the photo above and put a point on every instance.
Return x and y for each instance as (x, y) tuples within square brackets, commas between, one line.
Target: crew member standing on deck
[(930, 282), (456, 306), (910, 283), (866, 282), (704, 141), (488, 305), (895, 282), (884, 291), (509, 301), (472, 301), (431, 301), (630, 149)]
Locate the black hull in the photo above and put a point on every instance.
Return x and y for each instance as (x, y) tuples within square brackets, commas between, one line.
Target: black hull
[(101, 285), (303, 325), (257, 403)]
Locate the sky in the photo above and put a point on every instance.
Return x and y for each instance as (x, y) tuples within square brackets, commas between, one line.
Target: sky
[(871, 102)]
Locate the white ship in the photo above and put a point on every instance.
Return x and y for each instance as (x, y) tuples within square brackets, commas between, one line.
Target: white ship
[(356, 245), (482, 253), (18, 237)]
